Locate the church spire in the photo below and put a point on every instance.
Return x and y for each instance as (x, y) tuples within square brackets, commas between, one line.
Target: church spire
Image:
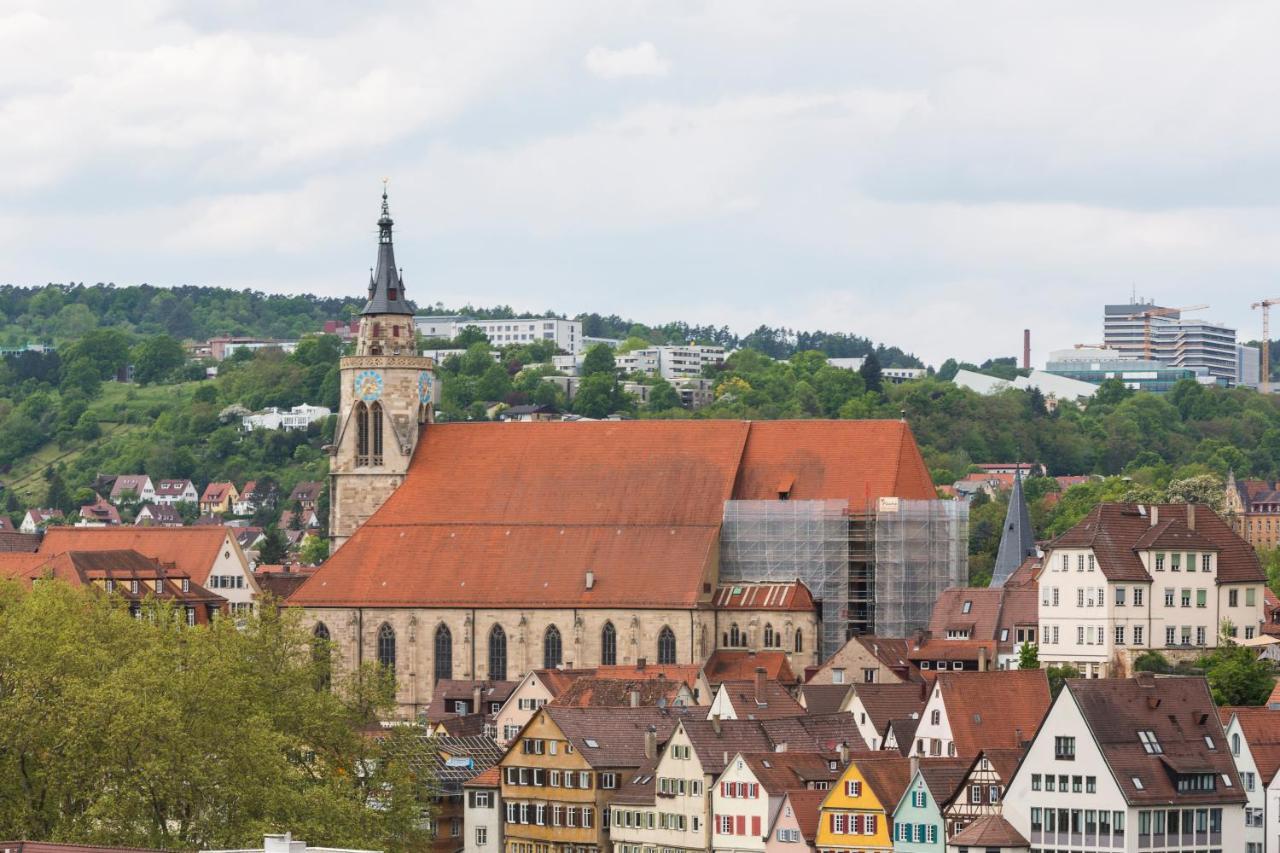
[(386, 288), (1017, 540)]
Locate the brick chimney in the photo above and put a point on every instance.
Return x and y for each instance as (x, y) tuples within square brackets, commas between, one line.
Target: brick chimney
[(760, 679), (1191, 516), (476, 694), (1155, 515)]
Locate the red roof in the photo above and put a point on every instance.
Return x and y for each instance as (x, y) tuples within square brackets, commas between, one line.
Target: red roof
[(978, 723), (739, 664), (215, 492), (192, 549), (518, 517), (764, 596)]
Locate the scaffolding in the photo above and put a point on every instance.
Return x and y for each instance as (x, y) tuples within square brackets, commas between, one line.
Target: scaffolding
[(921, 548), (782, 541), (876, 571)]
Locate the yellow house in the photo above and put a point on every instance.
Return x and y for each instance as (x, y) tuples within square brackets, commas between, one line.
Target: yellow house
[(858, 811)]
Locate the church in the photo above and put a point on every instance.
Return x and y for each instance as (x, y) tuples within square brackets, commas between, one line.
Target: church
[(485, 550)]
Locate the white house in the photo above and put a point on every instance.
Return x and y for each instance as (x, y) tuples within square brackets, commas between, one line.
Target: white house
[(36, 519), (1130, 577), (1253, 735), (747, 795), (176, 492), (299, 417), (960, 718), (482, 813), (136, 488), (874, 706), (1129, 765)]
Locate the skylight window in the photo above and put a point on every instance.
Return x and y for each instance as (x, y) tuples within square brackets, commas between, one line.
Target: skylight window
[(1137, 783), (591, 742), (1149, 742), (968, 605), (1208, 741)]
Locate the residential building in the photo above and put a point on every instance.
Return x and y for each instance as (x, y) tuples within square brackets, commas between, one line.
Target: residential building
[(482, 815), (565, 334), (210, 556), (866, 659), (888, 375), (455, 761), (455, 698), (978, 628), (873, 706), (1167, 337), (746, 618), (1253, 735), (218, 498), (918, 823), (176, 492), (254, 496), (857, 814), (748, 793), (981, 794), (590, 691), (100, 513), (1129, 764), (1254, 509), (741, 664), (824, 698), (37, 519), (1129, 578), (132, 488), (959, 718), (795, 826), (1096, 365), (299, 417), (158, 515), (757, 699), (670, 362), (560, 778)]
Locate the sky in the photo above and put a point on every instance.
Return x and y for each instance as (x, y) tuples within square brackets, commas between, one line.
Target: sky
[(933, 175)]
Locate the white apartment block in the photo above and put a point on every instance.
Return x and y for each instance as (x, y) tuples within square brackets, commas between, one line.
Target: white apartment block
[(891, 375), (1129, 578), (565, 334), (299, 417)]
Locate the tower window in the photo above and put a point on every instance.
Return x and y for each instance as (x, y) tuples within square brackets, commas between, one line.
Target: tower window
[(375, 429), (362, 434)]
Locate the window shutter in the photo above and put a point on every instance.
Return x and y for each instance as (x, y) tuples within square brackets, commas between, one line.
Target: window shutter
[(755, 825), (724, 789), (742, 824), (833, 824), (755, 790), (869, 825)]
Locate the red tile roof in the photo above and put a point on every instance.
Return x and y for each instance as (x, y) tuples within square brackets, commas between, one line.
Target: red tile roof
[(778, 772), (491, 778), (887, 774), (889, 701), (591, 692), (637, 503), (1261, 727), (738, 664), (987, 831), (978, 723), (216, 492), (806, 806), (764, 596), (192, 549), (775, 702)]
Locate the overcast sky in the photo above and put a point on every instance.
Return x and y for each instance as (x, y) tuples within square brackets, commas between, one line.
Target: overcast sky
[(936, 176)]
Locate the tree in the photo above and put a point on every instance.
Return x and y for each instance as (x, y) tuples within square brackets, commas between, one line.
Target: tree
[(81, 375), (1058, 676), (949, 369), (1236, 676), (79, 657), (274, 547), (1028, 656), (662, 397), (599, 359), (314, 550), (870, 372), (599, 395), (106, 349), (57, 496), (155, 358), (1152, 661)]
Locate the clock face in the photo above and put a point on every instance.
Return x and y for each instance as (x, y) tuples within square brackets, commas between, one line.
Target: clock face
[(368, 385), (426, 382)]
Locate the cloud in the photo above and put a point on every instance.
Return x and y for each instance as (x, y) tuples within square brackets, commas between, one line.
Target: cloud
[(641, 60)]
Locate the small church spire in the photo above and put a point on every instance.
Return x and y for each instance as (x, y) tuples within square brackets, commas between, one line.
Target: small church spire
[(386, 286), (1017, 539)]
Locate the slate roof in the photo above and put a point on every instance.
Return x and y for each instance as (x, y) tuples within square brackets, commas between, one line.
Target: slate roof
[(793, 596), (978, 723), (774, 703), (1117, 531), (738, 664), (1017, 537), (519, 516), (618, 733), (386, 290), (824, 698), (885, 702), (1180, 711), (990, 830), (192, 549)]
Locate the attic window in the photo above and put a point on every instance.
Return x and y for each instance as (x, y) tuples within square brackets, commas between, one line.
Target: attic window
[(591, 742), (784, 487), (968, 605), (1208, 741), (1137, 783), (1226, 780), (1149, 742), (768, 764)]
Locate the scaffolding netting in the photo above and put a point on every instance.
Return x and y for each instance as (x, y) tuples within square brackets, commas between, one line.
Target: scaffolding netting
[(921, 548)]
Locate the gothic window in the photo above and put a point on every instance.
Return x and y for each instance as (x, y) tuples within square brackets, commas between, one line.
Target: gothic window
[(444, 653), (770, 639), (497, 654), (608, 645), (320, 654), (734, 638), (362, 434), (666, 646), (551, 648), (387, 647), (799, 640), (375, 430)]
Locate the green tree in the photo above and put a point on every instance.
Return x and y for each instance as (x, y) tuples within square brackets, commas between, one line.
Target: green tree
[(599, 395), (1152, 661), (599, 359), (1058, 676), (870, 373), (156, 358), (1236, 676), (1028, 656), (81, 375), (57, 496), (106, 349), (314, 550), (273, 548), (662, 397)]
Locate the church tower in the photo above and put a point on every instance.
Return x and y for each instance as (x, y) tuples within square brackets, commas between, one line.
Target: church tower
[(387, 396)]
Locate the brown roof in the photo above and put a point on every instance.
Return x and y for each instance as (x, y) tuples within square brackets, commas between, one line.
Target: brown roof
[(885, 702), (281, 585), (821, 733), (978, 723), (1116, 532), (737, 664), (637, 503), (491, 778), (590, 692), (307, 490), (944, 776), (714, 745), (688, 673), (1003, 761), (1261, 727), (1181, 713), (775, 701), (618, 733), (887, 774), (1025, 574), (216, 491), (192, 549), (85, 567), (171, 487), (764, 596), (806, 806), (904, 733), (990, 830), (981, 620), (953, 650), (789, 771), (890, 651), (11, 542), (447, 689), (637, 788), (824, 698)]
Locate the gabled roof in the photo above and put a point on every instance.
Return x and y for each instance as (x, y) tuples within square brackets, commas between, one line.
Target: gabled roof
[(793, 595), (1261, 727), (885, 702), (979, 723), (806, 807), (988, 831), (172, 488), (1117, 532), (1180, 712), (1003, 761), (887, 774), (592, 692), (216, 491), (943, 776), (307, 490), (491, 778), (637, 503), (890, 651), (824, 698), (818, 733), (980, 621), (779, 772), (193, 550), (129, 483), (613, 737), (774, 702), (954, 650), (740, 664), (716, 744)]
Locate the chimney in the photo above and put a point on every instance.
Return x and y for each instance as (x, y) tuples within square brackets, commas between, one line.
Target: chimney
[(591, 579), (915, 764), (982, 658), (1155, 515), (475, 698), (1191, 516), (1026, 349), (635, 698), (1145, 679), (651, 742), (760, 674), (640, 664), (715, 726), (844, 753)]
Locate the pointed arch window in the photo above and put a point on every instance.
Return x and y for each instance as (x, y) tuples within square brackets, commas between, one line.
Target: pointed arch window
[(666, 646), (375, 433), (387, 647), (362, 434), (497, 654), (552, 650), (608, 645), (443, 653), (770, 638), (734, 638), (799, 640), (320, 655)]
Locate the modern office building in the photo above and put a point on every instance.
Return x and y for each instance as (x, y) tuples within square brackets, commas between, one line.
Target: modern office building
[(1097, 365), (567, 334), (1174, 340)]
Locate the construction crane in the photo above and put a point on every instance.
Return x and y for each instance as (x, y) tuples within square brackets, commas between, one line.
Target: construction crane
[(1146, 316), (1265, 305)]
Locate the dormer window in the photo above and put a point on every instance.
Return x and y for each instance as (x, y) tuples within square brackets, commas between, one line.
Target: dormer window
[(133, 586), (110, 585), (186, 585)]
